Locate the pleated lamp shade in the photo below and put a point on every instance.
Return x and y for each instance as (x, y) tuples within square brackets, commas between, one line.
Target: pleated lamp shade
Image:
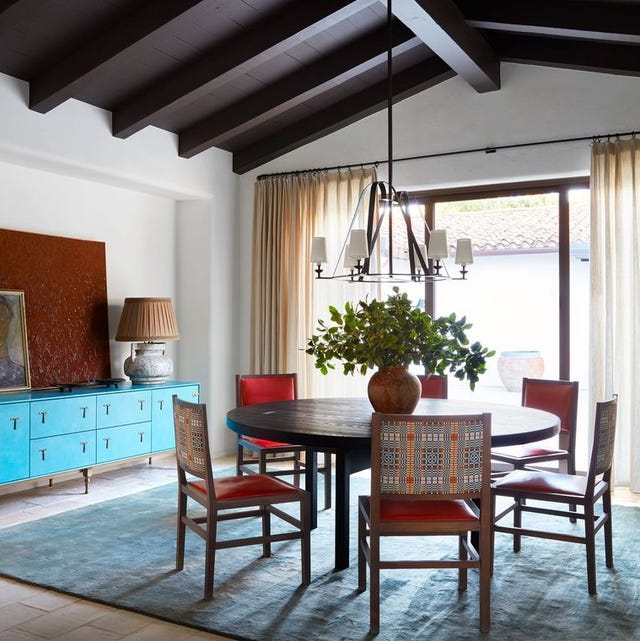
[(147, 319)]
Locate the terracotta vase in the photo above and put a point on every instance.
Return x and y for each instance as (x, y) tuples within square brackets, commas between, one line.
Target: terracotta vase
[(394, 390)]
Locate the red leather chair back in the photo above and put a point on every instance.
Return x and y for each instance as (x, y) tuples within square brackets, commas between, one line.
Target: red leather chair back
[(434, 386), (558, 397), (265, 388)]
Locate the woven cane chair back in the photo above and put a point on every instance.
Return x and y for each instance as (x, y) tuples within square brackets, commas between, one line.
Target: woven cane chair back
[(192, 438), (604, 437)]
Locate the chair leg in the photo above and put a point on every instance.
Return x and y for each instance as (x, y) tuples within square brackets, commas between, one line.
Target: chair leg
[(569, 467), (262, 462), (181, 529), (517, 522), (608, 529), (486, 560), (362, 561), (210, 555), (266, 532), (239, 458), (374, 588), (590, 544), (462, 555), (305, 542)]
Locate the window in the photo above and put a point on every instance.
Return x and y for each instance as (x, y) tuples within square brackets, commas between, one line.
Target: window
[(527, 292)]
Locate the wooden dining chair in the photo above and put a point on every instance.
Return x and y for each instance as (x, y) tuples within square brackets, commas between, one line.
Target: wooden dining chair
[(427, 473), (267, 388), (434, 386), (225, 499), (549, 488), (559, 398)]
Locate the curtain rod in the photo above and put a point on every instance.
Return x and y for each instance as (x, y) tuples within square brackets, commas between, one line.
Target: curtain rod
[(486, 150)]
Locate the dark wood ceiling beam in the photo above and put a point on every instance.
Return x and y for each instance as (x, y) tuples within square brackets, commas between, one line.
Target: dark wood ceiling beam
[(235, 56), (585, 55), (339, 66), (611, 21), (60, 81), (364, 103), (442, 27), (5, 4)]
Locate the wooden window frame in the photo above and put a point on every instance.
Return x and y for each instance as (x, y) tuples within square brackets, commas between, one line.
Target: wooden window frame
[(561, 187)]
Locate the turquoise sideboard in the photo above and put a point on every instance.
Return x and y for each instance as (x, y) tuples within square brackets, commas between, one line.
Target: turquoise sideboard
[(44, 433)]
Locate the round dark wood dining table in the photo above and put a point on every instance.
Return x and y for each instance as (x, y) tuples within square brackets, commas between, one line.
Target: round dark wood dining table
[(343, 427)]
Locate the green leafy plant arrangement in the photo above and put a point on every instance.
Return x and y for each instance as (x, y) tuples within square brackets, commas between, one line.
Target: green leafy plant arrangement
[(379, 334)]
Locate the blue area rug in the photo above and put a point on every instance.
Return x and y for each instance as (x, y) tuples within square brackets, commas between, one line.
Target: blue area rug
[(121, 553)]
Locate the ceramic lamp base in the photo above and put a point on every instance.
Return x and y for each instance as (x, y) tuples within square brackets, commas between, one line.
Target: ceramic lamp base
[(149, 365)]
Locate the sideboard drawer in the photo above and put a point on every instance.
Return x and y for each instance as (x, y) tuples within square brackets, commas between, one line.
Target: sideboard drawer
[(163, 435), (126, 441), (14, 442), (63, 416), (61, 453), (124, 408)]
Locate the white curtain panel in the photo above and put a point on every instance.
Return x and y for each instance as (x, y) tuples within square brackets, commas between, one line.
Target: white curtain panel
[(287, 300), (615, 295)]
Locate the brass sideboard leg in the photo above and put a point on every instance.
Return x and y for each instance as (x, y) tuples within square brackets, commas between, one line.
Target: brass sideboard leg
[(87, 477)]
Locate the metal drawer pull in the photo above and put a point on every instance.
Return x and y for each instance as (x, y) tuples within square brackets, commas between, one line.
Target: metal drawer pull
[(106, 442), (141, 435), (43, 413), (15, 420), (161, 403), (84, 446), (141, 401), (106, 408), (84, 411), (42, 451)]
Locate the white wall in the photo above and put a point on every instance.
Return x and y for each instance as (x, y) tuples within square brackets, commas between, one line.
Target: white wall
[(167, 223), (534, 104)]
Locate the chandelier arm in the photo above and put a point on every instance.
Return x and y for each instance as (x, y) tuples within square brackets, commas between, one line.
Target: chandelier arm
[(354, 218), (412, 243), (371, 237)]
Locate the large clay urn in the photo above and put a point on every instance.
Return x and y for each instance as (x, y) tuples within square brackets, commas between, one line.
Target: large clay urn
[(394, 390)]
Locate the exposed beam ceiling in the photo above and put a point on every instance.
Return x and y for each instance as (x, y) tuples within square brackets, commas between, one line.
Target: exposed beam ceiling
[(260, 78), (441, 26)]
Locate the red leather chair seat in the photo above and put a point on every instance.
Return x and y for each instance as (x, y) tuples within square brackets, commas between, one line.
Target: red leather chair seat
[(391, 510), (238, 487), (549, 483), (526, 451), (263, 442)]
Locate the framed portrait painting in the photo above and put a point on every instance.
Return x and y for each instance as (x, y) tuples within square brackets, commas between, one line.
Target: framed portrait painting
[(14, 355)]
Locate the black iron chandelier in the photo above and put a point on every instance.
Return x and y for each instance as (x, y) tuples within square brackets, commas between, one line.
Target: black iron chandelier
[(381, 244)]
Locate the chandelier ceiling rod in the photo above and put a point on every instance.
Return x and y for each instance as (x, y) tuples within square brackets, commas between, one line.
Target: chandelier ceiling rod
[(361, 249), (390, 94)]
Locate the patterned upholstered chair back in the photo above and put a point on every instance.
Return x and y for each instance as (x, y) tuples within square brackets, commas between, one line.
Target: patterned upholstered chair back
[(439, 456), (603, 437)]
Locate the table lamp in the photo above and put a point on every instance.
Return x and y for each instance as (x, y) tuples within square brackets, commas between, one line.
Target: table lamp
[(149, 323)]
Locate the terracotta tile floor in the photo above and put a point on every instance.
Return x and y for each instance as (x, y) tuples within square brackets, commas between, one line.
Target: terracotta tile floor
[(34, 614)]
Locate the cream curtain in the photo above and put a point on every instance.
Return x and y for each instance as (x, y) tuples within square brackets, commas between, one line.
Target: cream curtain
[(615, 295), (286, 299)]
